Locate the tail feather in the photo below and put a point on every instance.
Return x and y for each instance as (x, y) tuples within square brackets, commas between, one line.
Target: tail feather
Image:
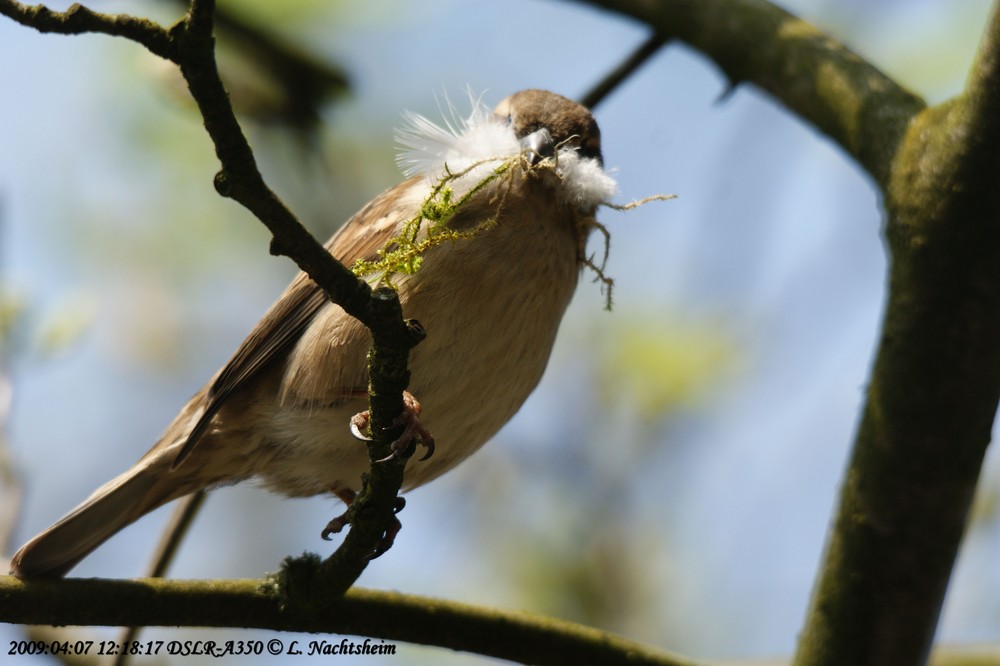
[(116, 504)]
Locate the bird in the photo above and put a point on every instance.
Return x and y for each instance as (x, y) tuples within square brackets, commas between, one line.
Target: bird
[(491, 299)]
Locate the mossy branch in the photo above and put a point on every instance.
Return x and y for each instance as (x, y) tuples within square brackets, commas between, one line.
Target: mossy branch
[(512, 635), (935, 385)]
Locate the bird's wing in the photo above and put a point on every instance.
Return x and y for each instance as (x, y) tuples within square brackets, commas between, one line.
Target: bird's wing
[(360, 238)]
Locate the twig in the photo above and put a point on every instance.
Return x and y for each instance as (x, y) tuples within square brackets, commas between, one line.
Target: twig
[(615, 77), (173, 533), (79, 20)]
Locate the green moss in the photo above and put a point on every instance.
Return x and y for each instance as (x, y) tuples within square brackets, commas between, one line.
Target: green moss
[(403, 253)]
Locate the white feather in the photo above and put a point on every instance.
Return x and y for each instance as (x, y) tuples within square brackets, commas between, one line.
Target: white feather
[(428, 148), (483, 138), (585, 182)]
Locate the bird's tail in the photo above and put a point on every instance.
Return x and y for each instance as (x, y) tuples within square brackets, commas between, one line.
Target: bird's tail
[(123, 500)]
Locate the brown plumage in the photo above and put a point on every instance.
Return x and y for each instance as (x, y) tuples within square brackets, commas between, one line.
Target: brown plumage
[(278, 411)]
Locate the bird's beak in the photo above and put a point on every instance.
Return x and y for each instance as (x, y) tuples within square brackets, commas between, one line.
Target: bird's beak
[(538, 145)]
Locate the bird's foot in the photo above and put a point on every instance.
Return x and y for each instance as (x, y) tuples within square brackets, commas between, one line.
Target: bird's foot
[(413, 433), (389, 537), (343, 520)]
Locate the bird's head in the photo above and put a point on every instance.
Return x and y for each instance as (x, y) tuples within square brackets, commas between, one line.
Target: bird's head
[(546, 129), (545, 122)]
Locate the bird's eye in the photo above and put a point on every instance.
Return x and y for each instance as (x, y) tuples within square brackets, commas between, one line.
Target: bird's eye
[(510, 119)]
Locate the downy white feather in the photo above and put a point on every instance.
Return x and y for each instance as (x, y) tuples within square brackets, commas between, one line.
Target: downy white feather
[(482, 141)]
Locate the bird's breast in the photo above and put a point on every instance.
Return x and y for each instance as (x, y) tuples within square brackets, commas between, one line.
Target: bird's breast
[(491, 306)]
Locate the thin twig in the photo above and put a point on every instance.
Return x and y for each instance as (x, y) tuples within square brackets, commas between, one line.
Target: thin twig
[(615, 77), (79, 20), (174, 532)]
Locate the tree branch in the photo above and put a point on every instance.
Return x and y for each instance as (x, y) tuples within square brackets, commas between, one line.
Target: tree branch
[(176, 529), (247, 603), (935, 385), (982, 92), (809, 72), (625, 69), (79, 20), (190, 44), (304, 81), (934, 390), (241, 180)]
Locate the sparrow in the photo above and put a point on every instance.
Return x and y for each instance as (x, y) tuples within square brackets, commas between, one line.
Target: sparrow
[(491, 300)]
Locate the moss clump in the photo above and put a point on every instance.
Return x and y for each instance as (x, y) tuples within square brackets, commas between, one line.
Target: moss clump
[(403, 253)]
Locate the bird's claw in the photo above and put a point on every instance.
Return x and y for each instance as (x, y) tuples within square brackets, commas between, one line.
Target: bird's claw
[(335, 526), (359, 423), (413, 432), (389, 538), (385, 543), (341, 521)]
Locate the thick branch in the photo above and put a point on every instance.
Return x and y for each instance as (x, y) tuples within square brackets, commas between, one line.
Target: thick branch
[(247, 603), (982, 93), (812, 74), (936, 380), (934, 390), (516, 636)]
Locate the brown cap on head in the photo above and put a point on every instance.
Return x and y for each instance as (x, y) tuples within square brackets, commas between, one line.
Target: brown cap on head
[(533, 112)]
